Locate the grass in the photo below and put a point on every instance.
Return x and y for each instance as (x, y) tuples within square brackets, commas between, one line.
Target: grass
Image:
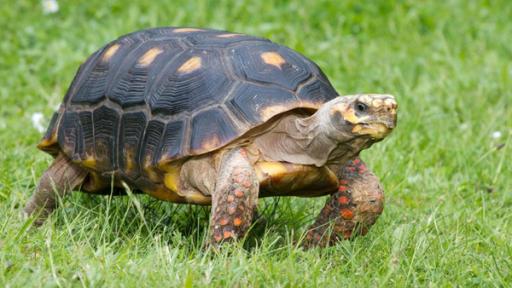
[(448, 183)]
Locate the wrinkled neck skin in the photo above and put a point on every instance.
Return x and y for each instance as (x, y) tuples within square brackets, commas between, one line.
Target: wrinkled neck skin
[(311, 140)]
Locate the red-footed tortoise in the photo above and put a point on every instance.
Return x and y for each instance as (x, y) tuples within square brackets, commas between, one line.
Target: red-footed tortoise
[(210, 117)]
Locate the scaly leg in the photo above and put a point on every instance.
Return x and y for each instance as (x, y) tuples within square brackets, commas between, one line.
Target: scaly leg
[(57, 181), (350, 211), (234, 199)]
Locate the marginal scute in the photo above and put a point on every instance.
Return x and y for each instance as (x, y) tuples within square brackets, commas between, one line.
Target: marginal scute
[(149, 150), (49, 142), (131, 134), (171, 144), (87, 132), (69, 134), (106, 121)]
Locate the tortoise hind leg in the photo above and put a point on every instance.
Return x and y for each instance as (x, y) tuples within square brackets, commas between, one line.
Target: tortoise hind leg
[(57, 181), (234, 198)]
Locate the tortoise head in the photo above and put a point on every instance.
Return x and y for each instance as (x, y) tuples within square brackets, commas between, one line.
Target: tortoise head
[(369, 115)]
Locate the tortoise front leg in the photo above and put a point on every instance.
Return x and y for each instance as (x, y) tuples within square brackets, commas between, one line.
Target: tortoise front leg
[(57, 181), (350, 211), (234, 198)]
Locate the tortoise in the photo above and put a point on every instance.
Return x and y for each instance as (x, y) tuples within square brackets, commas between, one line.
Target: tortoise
[(216, 118)]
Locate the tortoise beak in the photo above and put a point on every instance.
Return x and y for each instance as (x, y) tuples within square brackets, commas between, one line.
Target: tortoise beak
[(374, 130), (390, 122)]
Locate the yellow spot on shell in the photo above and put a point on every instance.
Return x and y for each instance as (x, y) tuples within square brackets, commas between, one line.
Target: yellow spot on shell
[(110, 52), (190, 65), (183, 30), (149, 56), (228, 35), (273, 58)]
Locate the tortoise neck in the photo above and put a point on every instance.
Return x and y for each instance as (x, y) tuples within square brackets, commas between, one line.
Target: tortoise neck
[(302, 139)]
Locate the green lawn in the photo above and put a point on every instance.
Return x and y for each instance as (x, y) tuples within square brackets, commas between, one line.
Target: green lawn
[(448, 180)]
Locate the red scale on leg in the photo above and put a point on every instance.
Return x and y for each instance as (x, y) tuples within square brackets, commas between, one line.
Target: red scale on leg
[(343, 200), (227, 234), (346, 214), (231, 209), (217, 236), (238, 221), (239, 193)]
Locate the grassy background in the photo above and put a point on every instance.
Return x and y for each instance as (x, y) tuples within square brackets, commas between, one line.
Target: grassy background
[(448, 181)]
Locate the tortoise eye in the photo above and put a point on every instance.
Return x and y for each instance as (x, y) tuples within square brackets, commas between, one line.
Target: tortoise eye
[(361, 107)]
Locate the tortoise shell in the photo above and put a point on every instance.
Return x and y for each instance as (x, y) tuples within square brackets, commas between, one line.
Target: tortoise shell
[(159, 95)]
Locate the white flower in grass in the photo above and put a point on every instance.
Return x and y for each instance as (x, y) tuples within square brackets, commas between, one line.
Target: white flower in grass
[(496, 135), (464, 126), (50, 6), (37, 119)]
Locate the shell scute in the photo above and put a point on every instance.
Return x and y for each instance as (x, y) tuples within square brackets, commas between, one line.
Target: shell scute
[(131, 132), (270, 63)]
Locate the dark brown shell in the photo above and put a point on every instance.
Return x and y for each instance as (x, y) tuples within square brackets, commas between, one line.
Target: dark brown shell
[(162, 94)]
